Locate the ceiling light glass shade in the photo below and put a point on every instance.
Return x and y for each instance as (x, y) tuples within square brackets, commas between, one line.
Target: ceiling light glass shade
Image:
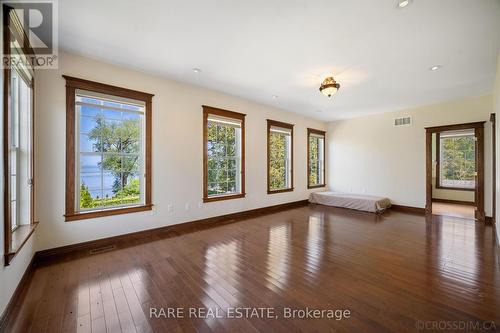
[(403, 3), (329, 86)]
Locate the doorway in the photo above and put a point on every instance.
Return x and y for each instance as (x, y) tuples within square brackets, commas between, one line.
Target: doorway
[(455, 170)]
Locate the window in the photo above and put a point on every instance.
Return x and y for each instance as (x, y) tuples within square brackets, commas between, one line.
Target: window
[(279, 157), (456, 165), (108, 150), (316, 158), (224, 154), (18, 142)]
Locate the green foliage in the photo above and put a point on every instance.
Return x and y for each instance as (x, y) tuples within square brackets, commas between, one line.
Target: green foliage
[(277, 160), (121, 138), (86, 200), (314, 176), (222, 157), (458, 158)]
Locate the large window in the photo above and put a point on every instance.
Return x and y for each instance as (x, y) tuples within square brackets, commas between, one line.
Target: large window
[(315, 158), (18, 140), (456, 164), (109, 167), (224, 156), (279, 157)]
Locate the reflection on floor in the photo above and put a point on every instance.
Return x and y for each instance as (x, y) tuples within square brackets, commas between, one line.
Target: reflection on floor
[(446, 209), (394, 272)]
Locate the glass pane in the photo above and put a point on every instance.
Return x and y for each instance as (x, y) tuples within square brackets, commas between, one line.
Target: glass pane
[(457, 167), (88, 145), (90, 198), (112, 114), (87, 100), (117, 135), (89, 111), (91, 180), (222, 158), (90, 125), (13, 187), (131, 189), (278, 160), (13, 214), (112, 104)]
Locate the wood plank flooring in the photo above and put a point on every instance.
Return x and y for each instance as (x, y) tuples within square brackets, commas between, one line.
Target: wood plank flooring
[(396, 272)]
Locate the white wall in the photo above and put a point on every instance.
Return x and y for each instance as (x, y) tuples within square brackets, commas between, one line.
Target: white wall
[(177, 153), (370, 155), (12, 274)]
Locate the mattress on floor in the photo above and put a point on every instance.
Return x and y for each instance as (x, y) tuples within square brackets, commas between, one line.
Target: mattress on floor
[(367, 203)]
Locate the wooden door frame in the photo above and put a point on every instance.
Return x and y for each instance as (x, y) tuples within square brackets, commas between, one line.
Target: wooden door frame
[(479, 191)]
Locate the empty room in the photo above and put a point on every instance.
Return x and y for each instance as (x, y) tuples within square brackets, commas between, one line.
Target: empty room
[(250, 166)]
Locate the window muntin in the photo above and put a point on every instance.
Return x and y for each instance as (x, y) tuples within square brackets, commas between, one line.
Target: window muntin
[(280, 161), (457, 159), (109, 151), (316, 158)]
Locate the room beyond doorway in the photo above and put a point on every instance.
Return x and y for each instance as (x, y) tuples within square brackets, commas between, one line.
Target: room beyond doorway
[(455, 170)]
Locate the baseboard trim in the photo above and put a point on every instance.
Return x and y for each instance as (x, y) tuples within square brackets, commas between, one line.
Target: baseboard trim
[(9, 313), (166, 231), (408, 209), (458, 202)]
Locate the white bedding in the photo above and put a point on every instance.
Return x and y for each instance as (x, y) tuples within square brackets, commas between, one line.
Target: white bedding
[(367, 203)]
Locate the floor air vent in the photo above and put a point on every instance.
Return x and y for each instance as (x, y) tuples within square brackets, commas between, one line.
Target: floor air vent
[(102, 249), (403, 121)]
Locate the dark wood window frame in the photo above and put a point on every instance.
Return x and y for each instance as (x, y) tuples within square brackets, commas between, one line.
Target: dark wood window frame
[(271, 123), (318, 132), (72, 84), (208, 110), (479, 190), (438, 169), (15, 240)]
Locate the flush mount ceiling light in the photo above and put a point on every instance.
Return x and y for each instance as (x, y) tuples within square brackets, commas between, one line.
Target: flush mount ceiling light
[(403, 3), (329, 86), (275, 96), (196, 70), (435, 68)]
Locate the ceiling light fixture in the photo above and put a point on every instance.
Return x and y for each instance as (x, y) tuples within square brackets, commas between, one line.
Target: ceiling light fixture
[(275, 96), (196, 70), (403, 3), (329, 86), (435, 68)]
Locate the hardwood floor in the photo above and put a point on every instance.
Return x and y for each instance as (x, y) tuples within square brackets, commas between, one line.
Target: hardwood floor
[(453, 210), (396, 272)]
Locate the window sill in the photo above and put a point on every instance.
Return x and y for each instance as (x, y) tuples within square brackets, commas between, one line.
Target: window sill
[(455, 188), (280, 191), (108, 212), (224, 197), (19, 237), (315, 186)]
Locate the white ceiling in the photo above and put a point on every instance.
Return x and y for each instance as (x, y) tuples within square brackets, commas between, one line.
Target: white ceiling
[(379, 54)]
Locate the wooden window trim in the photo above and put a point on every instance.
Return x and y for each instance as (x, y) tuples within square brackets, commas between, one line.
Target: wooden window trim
[(318, 132), (15, 240), (72, 84), (208, 110), (271, 123), (438, 169)]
